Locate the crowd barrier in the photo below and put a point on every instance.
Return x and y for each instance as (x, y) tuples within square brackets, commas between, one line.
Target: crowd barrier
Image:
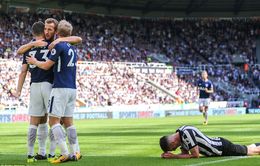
[(138, 111)]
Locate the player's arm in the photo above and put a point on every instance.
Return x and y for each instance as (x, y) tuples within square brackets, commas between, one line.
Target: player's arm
[(28, 46), (21, 80), (210, 90), (192, 153), (197, 88), (184, 151), (70, 39), (198, 91), (43, 65), (46, 65)]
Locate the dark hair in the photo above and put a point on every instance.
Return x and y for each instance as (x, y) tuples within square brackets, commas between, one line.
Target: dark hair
[(38, 28), (164, 143)]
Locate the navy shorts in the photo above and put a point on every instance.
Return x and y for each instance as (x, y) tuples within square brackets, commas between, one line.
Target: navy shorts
[(230, 149)]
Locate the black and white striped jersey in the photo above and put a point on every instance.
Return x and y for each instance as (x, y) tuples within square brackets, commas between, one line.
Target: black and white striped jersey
[(191, 136)]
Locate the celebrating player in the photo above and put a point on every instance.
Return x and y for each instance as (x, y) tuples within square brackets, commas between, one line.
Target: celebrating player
[(205, 88), (41, 84), (49, 32), (193, 142), (63, 95), (38, 48)]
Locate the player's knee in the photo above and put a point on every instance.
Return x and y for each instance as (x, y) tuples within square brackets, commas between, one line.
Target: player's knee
[(44, 119), (53, 121), (35, 121), (67, 122)]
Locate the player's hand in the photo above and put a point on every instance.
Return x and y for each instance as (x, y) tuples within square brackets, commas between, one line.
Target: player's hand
[(16, 94), (208, 91), (31, 60), (52, 45), (167, 155), (40, 43)]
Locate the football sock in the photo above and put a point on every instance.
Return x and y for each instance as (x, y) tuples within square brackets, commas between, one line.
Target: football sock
[(205, 115), (72, 137), (77, 146), (42, 137), (52, 143), (31, 137), (60, 139)]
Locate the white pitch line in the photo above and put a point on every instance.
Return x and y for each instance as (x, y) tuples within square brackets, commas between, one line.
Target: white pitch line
[(218, 161)]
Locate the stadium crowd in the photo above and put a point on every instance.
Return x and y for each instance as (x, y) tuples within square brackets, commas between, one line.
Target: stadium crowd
[(107, 83), (9, 71), (190, 42)]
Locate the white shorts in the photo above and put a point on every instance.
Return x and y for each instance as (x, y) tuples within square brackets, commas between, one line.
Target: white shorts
[(204, 102), (62, 102), (39, 97)]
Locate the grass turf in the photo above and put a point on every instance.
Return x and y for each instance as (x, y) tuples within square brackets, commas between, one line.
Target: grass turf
[(135, 141)]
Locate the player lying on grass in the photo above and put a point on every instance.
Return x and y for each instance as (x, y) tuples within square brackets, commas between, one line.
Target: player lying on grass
[(193, 142)]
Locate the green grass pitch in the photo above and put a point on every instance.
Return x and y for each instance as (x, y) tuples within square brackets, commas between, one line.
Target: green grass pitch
[(134, 142)]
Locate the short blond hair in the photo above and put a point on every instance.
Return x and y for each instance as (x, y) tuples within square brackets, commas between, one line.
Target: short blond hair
[(52, 20), (64, 28)]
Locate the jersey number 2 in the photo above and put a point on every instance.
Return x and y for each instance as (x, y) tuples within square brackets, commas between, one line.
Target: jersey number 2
[(71, 63)]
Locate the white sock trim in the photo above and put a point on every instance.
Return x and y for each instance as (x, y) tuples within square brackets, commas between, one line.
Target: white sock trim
[(56, 125), (33, 126), (71, 127), (43, 125)]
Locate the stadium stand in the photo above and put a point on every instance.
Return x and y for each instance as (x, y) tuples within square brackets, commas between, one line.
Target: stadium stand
[(222, 46)]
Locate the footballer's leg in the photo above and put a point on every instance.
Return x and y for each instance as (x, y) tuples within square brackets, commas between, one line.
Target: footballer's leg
[(201, 108), (78, 154), (70, 128), (37, 111), (31, 137), (58, 100), (206, 107), (205, 115), (42, 138), (60, 139), (77, 142), (72, 139), (46, 88), (53, 145)]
